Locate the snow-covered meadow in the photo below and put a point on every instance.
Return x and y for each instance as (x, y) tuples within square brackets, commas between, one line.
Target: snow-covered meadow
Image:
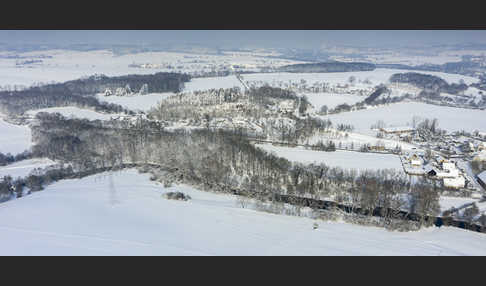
[(85, 217), (64, 65), (25, 167), (401, 114), (375, 77), (14, 139), (343, 159)]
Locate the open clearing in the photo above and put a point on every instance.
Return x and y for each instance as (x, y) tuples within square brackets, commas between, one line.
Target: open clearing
[(14, 139), (401, 114), (82, 217), (378, 76), (343, 159), (23, 168), (136, 102)]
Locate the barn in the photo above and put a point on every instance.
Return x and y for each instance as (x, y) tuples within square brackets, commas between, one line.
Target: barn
[(456, 183)]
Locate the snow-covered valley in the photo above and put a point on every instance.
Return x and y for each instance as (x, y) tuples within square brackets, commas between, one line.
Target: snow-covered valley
[(87, 217), (125, 213)]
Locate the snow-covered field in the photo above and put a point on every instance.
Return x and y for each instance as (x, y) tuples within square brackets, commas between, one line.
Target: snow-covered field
[(401, 114), (136, 102), (450, 202), (378, 76), (64, 65), (73, 112), (14, 139), (83, 217), (354, 141), (23, 168), (332, 100), (343, 159)]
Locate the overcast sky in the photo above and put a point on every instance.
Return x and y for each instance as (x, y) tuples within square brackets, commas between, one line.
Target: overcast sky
[(264, 38)]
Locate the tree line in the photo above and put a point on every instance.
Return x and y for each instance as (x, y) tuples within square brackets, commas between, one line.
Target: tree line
[(81, 92)]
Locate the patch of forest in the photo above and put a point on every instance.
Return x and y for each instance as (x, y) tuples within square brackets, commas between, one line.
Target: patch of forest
[(80, 92), (328, 67), (429, 83), (273, 113)]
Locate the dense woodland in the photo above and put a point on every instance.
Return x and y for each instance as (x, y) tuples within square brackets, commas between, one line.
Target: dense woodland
[(263, 112)]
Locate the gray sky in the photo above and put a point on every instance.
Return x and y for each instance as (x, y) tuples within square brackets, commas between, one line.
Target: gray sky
[(312, 39)]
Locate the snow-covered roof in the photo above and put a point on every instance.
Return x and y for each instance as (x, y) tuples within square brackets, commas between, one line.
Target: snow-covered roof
[(457, 182), (429, 168), (481, 156), (448, 165), (482, 176)]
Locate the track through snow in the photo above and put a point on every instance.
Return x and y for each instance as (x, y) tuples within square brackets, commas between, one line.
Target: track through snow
[(75, 217)]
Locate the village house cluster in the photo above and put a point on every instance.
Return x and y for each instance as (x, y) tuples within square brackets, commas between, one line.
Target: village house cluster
[(447, 157)]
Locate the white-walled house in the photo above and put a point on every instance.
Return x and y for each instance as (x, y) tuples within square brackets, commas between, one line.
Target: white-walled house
[(457, 182), (449, 170)]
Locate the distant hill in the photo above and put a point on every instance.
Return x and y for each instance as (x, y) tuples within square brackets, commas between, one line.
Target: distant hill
[(428, 83), (328, 67)]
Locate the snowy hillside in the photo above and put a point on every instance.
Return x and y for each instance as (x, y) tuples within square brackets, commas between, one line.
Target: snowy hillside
[(14, 139), (23, 168), (83, 217)]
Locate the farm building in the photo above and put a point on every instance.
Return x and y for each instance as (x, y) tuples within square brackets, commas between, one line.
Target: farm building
[(415, 160), (481, 157), (449, 170), (286, 106), (482, 146), (457, 183), (430, 170), (482, 179)]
